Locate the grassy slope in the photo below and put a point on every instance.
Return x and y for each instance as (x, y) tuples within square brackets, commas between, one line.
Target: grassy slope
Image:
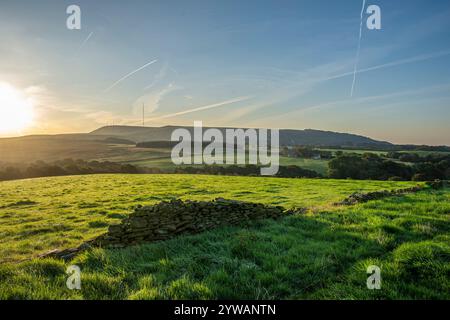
[(354, 151), (420, 153), (87, 147), (162, 160), (320, 255), (51, 149)]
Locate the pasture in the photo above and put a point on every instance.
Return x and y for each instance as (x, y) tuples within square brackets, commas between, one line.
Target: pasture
[(322, 254)]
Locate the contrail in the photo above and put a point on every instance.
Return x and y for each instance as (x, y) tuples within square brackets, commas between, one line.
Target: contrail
[(358, 50), (211, 106), (81, 46), (431, 89), (85, 41), (419, 58), (129, 75)]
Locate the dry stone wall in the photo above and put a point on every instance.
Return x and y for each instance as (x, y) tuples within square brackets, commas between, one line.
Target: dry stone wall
[(166, 220), (357, 197)]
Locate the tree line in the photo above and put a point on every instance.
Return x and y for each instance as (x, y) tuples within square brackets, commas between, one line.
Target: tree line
[(306, 152), (367, 166), (62, 168), (66, 167), (370, 166), (290, 171)]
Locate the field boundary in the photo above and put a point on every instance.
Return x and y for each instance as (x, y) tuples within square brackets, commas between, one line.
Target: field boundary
[(358, 197)]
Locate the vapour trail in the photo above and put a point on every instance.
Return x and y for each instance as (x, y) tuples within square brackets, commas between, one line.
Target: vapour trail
[(358, 50), (419, 58), (85, 41), (211, 106), (81, 46), (129, 75)]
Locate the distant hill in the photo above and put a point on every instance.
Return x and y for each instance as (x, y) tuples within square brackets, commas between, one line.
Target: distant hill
[(117, 143), (287, 137), (136, 134)]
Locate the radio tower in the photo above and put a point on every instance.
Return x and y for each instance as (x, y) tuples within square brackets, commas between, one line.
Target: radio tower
[(143, 114)]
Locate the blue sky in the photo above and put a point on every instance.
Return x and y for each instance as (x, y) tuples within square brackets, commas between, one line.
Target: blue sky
[(278, 64)]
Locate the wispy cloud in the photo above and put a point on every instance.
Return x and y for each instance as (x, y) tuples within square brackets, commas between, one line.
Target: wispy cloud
[(152, 100), (129, 75), (160, 75)]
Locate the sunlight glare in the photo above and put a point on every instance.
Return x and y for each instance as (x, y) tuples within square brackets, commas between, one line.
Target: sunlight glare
[(16, 110)]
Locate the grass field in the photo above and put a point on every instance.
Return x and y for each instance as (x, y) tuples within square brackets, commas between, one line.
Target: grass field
[(41, 214), (159, 159), (362, 151), (322, 254), (354, 151), (50, 149)]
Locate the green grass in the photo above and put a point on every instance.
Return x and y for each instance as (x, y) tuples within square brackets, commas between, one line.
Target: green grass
[(354, 151), (162, 161), (37, 215), (320, 166), (427, 153), (317, 256), (418, 152), (320, 255)]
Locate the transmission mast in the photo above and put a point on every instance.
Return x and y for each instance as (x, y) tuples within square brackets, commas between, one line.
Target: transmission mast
[(143, 114)]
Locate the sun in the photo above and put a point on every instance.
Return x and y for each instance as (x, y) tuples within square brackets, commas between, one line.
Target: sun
[(16, 110)]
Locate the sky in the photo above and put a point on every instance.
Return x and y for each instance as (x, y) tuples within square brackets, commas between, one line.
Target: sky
[(254, 63)]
